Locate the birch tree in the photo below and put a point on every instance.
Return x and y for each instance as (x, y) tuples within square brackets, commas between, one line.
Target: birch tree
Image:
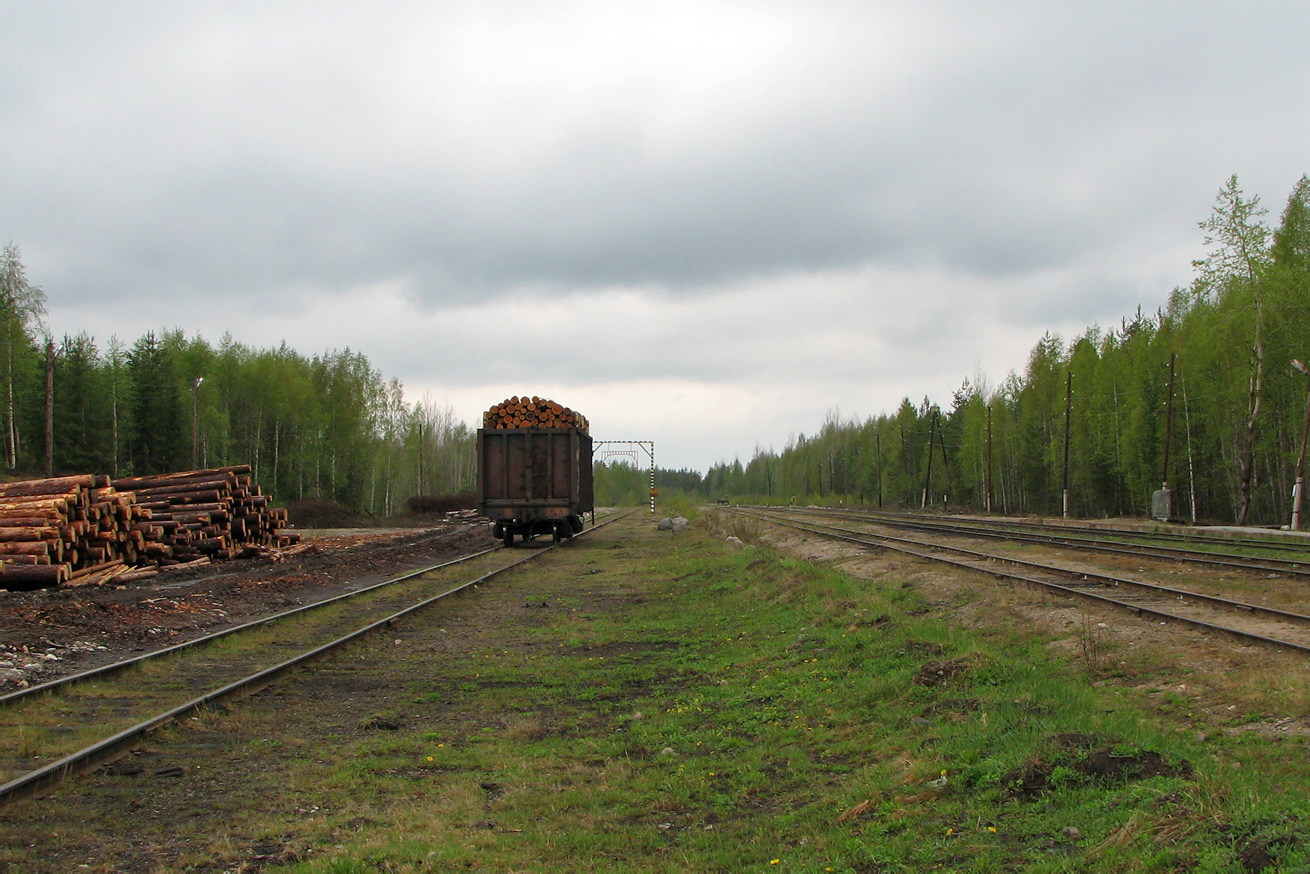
[(22, 308), (1238, 243)]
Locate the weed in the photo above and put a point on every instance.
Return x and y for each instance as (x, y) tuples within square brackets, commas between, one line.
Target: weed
[(1093, 645)]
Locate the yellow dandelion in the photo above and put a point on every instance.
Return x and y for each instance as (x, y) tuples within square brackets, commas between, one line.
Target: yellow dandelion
[(992, 829), (774, 861), (429, 758)]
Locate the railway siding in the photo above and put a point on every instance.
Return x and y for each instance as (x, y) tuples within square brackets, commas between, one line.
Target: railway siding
[(41, 728), (1002, 553)]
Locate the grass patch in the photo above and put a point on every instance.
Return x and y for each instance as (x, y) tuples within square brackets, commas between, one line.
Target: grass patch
[(681, 705)]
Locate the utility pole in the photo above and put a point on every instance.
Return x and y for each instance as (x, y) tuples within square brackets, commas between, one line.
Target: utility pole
[(946, 466), (1298, 490), (420, 457), (1163, 505), (1168, 419), (878, 438), (989, 458), (195, 388), (927, 480), (905, 469), (1191, 466), (1068, 410), (49, 407)]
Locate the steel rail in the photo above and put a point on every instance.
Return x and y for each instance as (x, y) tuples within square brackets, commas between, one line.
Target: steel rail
[(1074, 535), (1106, 579), (1196, 537), (878, 540), (1091, 544), (105, 670), (88, 758)]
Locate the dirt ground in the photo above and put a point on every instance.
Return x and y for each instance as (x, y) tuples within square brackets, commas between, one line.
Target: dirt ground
[(47, 633)]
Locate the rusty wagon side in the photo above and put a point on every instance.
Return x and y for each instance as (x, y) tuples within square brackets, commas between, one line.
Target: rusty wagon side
[(534, 481)]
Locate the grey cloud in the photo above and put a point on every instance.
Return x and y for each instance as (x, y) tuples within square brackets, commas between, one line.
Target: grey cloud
[(988, 170), (1006, 161)]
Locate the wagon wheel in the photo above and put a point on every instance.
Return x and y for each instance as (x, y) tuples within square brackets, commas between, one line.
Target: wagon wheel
[(508, 536)]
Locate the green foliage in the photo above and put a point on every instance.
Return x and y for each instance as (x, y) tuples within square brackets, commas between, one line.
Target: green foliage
[(157, 443), (619, 484), (323, 427), (84, 419), (1237, 405), (22, 306)]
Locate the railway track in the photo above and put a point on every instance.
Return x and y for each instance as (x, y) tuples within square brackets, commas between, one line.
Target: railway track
[(1126, 542), (77, 723), (1194, 537), (1258, 624)]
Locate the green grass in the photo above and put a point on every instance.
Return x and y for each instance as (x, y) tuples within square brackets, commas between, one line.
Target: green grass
[(677, 704), (778, 723)]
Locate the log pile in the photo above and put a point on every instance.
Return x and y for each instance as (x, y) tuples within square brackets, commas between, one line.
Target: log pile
[(85, 529), (208, 513), (533, 412)]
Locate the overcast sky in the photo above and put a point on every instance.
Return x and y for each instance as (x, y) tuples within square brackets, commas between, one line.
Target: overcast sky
[(706, 224)]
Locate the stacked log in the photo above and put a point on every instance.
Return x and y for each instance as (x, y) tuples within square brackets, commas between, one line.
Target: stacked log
[(52, 529), (213, 513), (533, 412), (85, 529)]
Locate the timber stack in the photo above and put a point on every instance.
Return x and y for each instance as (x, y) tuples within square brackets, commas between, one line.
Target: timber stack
[(214, 513), (533, 412), (86, 529)]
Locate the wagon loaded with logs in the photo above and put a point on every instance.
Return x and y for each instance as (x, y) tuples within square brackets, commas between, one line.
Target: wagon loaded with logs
[(534, 469)]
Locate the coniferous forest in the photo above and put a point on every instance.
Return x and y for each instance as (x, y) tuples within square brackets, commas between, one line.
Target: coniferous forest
[(331, 426)]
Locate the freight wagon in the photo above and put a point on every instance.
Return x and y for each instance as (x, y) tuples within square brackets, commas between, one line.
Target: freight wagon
[(534, 481)]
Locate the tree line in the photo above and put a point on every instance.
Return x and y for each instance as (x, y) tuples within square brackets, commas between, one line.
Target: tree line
[(327, 426), (1227, 440)]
